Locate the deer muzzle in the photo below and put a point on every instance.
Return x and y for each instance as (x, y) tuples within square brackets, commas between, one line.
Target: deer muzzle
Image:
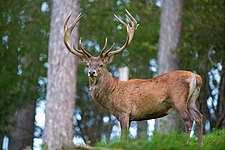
[(92, 73)]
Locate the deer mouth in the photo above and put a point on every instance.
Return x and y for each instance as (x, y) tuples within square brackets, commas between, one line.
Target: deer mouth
[(92, 75)]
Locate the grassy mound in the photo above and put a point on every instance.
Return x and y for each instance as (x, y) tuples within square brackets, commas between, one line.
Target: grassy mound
[(175, 141)]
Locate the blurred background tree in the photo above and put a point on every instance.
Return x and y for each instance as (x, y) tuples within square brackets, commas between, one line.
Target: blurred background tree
[(62, 77), (24, 38), (24, 42), (168, 58)]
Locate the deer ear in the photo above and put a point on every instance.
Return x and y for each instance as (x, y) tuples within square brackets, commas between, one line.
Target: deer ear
[(108, 59)]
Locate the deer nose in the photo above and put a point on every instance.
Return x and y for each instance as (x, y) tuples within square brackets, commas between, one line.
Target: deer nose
[(92, 73)]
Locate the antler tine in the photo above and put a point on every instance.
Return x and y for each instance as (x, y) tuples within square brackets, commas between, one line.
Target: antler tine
[(67, 34), (131, 27), (102, 50), (67, 19), (131, 17), (78, 51), (83, 50), (79, 16), (121, 21), (110, 49)]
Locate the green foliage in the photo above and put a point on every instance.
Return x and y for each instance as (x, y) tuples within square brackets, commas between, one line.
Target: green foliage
[(203, 51), (24, 41), (44, 146), (173, 141), (203, 34)]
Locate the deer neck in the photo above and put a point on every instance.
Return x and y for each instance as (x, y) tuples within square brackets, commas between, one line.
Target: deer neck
[(101, 87)]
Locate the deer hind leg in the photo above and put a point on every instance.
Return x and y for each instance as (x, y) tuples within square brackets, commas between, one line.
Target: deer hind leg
[(181, 106), (188, 121), (195, 114)]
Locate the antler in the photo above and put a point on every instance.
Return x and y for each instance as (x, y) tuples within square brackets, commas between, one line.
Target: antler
[(131, 27), (67, 34)]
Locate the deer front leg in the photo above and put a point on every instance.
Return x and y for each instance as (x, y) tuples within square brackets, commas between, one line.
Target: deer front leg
[(124, 124)]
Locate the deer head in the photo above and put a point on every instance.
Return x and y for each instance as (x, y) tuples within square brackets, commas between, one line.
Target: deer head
[(96, 64)]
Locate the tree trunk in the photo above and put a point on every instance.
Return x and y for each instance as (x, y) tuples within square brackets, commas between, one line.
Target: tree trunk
[(21, 133), (61, 88), (142, 129), (168, 59)]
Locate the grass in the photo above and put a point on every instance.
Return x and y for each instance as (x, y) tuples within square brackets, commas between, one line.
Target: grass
[(174, 141)]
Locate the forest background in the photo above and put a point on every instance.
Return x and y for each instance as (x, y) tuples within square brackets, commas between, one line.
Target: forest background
[(25, 29)]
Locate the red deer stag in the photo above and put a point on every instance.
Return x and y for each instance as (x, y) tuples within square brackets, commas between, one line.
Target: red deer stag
[(138, 99)]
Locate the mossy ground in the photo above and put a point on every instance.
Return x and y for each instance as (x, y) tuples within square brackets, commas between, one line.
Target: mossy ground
[(174, 141)]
